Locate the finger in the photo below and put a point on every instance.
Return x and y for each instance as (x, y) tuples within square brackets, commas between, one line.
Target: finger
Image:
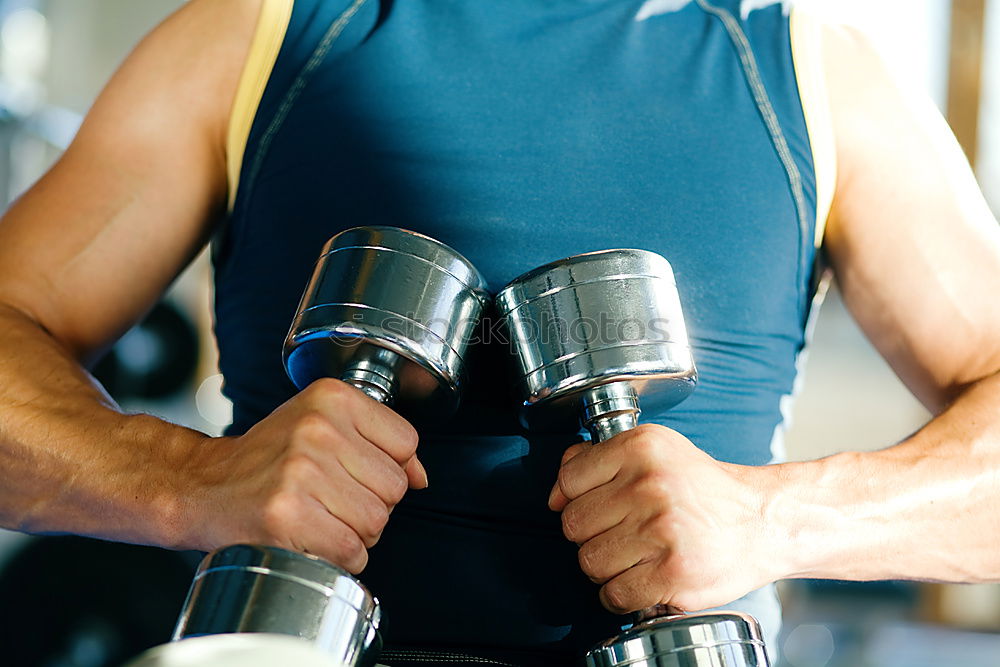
[(376, 470), (344, 404), (326, 536), (354, 504), (590, 468), (557, 501), (573, 450), (595, 512), (634, 452), (332, 449), (301, 523), (384, 428), (636, 588), (612, 553)]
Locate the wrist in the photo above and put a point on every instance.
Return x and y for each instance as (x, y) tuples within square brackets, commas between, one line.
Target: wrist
[(169, 492), (783, 526), (804, 513), (771, 547)]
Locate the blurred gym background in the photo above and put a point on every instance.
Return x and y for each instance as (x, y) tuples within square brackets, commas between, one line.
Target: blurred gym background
[(68, 602)]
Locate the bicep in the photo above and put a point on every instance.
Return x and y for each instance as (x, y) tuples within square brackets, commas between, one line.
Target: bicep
[(913, 243), (96, 241)]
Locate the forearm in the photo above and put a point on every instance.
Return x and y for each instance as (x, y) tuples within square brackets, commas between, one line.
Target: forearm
[(71, 461), (925, 509)]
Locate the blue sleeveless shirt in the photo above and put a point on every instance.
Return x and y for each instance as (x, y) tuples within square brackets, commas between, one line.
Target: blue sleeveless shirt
[(520, 132)]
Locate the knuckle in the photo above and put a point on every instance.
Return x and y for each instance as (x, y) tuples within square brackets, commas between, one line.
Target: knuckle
[(327, 389), (296, 470), (590, 563), (616, 597), (646, 448), (352, 552), (653, 485), (686, 601), (647, 430), (398, 485), (567, 482), (298, 465), (278, 513), (359, 561), (683, 567), (368, 540), (661, 530), (570, 524), (378, 517), (410, 436), (310, 428), (369, 526), (571, 453), (406, 440), (396, 437)]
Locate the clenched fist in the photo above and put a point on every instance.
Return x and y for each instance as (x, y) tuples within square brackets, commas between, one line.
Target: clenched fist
[(658, 521), (319, 475)]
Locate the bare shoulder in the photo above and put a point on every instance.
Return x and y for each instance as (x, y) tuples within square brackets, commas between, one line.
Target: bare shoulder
[(869, 103), (191, 61), (914, 245), (135, 196)]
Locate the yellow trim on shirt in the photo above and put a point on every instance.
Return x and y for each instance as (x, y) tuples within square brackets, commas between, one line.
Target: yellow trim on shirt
[(807, 54), (270, 34)]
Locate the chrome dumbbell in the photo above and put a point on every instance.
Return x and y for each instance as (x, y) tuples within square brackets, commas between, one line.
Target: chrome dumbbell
[(593, 335), (255, 589), (390, 312)]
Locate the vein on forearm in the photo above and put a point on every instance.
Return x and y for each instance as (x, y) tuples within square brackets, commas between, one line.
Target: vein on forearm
[(924, 509), (71, 461)]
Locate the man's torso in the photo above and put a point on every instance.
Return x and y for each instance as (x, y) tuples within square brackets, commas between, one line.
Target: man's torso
[(519, 133)]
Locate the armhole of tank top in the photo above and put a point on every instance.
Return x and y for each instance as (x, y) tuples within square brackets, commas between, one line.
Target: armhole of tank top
[(272, 25), (807, 55)]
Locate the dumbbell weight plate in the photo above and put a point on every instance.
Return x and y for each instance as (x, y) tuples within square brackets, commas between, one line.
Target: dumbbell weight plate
[(248, 589), (710, 639), (594, 319), (389, 302)]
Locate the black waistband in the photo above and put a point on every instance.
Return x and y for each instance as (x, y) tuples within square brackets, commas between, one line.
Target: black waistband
[(442, 656)]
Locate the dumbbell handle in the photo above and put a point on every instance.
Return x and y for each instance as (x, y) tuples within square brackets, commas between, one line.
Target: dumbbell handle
[(608, 410), (374, 370)]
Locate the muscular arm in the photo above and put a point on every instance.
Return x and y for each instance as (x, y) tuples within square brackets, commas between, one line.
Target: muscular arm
[(84, 254), (917, 255)]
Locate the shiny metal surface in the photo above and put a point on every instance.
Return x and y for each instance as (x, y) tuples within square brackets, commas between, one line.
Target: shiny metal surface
[(390, 311), (593, 319), (609, 409), (244, 588), (594, 336), (719, 639)]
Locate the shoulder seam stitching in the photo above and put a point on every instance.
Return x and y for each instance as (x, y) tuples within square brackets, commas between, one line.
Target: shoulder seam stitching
[(293, 93), (272, 26), (752, 72)]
